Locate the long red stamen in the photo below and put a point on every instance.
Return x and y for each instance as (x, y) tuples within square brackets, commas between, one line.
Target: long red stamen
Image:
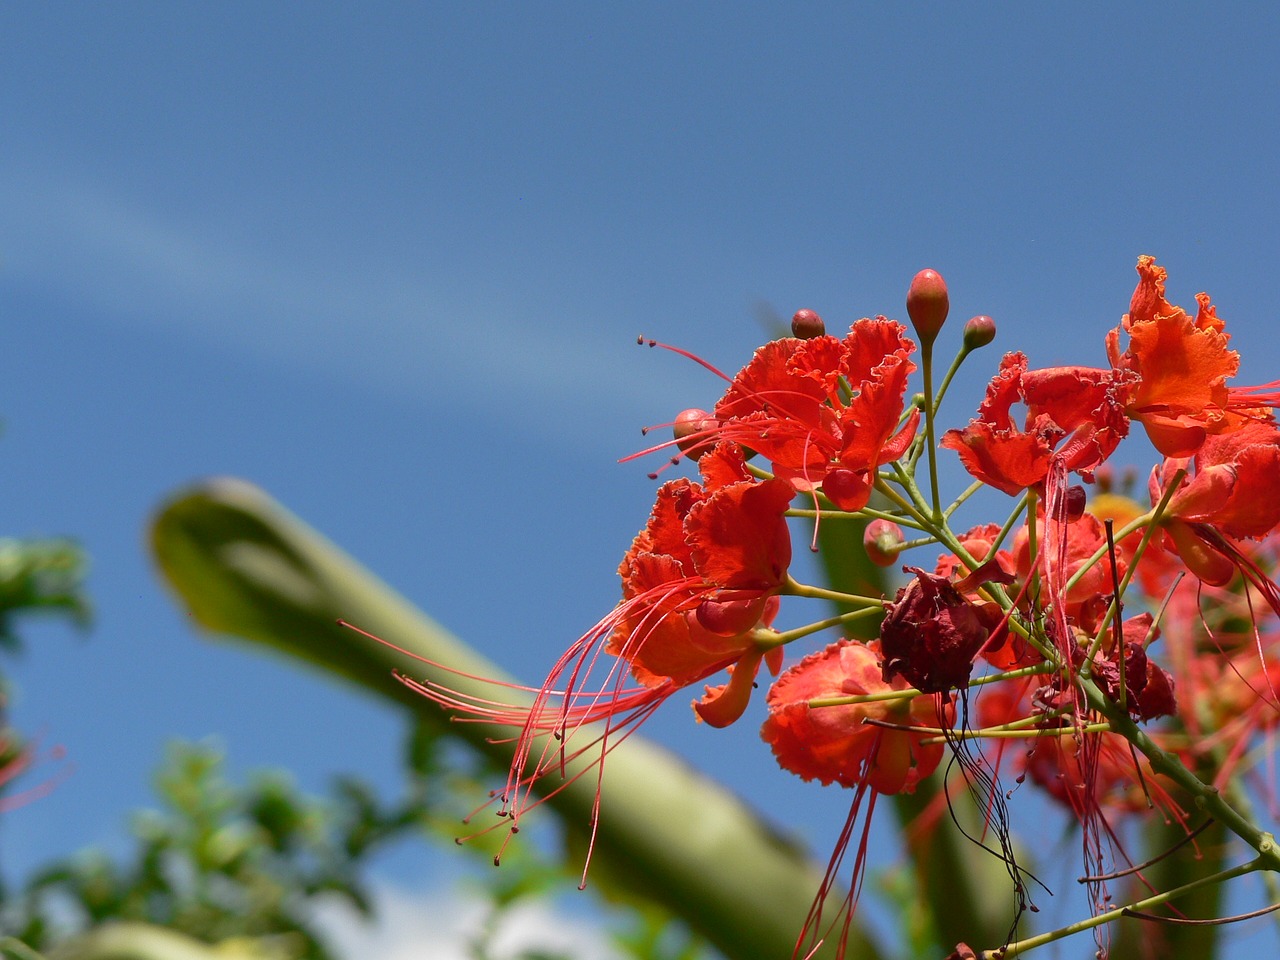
[(646, 342)]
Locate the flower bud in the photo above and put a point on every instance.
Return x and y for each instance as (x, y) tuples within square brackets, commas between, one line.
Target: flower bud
[(927, 304), (806, 324), (978, 332), (883, 542), (694, 431)]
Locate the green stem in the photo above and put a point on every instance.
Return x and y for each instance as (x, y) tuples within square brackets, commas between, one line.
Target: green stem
[(768, 639), (906, 480), (908, 693), (926, 363), (794, 588), (968, 492), (1205, 796), (951, 372), (863, 514), (1022, 946), (1237, 797), (1014, 516)]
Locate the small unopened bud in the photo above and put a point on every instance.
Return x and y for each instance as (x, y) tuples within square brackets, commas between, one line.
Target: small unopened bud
[(806, 325), (694, 431), (883, 541), (927, 303), (978, 332)]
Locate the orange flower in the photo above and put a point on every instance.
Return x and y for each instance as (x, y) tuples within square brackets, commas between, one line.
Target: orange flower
[(835, 744), (1183, 363)]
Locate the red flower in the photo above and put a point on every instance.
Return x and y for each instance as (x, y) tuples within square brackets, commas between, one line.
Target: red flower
[(834, 743), (699, 578), (825, 411), (1077, 543), (1075, 417), (705, 571), (1183, 363)]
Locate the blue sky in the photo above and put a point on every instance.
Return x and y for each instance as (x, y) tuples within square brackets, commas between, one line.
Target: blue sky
[(390, 265)]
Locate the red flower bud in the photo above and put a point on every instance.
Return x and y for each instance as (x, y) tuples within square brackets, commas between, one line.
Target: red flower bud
[(927, 303), (694, 431), (978, 332), (883, 541), (806, 325)]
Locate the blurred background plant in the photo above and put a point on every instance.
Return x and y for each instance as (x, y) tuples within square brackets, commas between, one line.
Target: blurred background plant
[(38, 576), (244, 871), (247, 867)]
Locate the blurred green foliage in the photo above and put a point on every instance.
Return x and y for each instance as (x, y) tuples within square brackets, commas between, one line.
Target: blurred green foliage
[(244, 869), (218, 862), (36, 576), (40, 575), (247, 866)]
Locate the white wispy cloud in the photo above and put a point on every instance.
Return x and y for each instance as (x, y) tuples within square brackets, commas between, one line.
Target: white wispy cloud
[(438, 925), (132, 263)]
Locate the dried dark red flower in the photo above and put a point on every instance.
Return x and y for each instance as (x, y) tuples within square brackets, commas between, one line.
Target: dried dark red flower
[(933, 632)]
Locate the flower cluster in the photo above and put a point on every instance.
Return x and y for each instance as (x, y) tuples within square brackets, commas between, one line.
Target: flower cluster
[(1113, 649)]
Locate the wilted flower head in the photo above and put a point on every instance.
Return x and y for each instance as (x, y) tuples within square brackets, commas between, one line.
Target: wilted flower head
[(933, 632)]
